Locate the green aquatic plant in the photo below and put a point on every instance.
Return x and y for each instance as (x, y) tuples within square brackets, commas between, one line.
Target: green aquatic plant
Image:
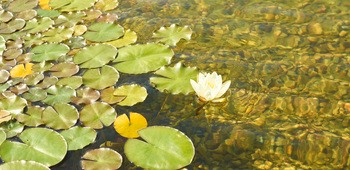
[(78, 137), (23, 165), (173, 34), (102, 158)]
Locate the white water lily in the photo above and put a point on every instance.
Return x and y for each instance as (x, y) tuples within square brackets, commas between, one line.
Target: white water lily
[(209, 87)]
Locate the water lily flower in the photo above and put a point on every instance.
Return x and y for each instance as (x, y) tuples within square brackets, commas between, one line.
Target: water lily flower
[(209, 87)]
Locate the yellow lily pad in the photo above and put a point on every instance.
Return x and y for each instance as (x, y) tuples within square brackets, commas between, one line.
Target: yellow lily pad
[(129, 127), (21, 71)]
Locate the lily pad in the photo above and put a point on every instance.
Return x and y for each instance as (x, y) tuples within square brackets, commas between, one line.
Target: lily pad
[(48, 13), (48, 52), (38, 25), (27, 14), (57, 35), (65, 69), (12, 26), (129, 37), (12, 128), (108, 96), (4, 75), (129, 127), (100, 78), (137, 59), (172, 35), (95, 56), (22, 5), (97, 114), (5, 116), (32, 116), (73, 82), (174, 79), (86, 96), (13, 104), (102, 158), (2, 136), (35, 94), (102, 32), (2, 45), (71, 5), (133, 94), (40, 145), (162, 147), (60, 116), (23, 165), (57, 94), (21, 70), (5, 16), (47, 82), (106, 5), (79, 137)]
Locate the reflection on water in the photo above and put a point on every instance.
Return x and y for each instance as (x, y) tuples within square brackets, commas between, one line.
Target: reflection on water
[(289, 66)]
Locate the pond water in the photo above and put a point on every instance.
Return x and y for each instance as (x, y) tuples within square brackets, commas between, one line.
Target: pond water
[(288, 104)]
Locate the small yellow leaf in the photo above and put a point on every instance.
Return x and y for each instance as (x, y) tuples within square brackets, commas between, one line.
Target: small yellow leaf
[(20, 71), (5, 116), (44, 4), (129, 128)]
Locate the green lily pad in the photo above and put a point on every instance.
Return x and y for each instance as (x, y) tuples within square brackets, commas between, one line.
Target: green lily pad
[(100, 78), (48, 13), (34, 79), (4, 75), (69, 20), (79, 137), (32, 116), (65, 69), (11, 128), (5, 116), (5, 16), (35, 26), (57, 94), (137, 59), (86, 96), (60, 116), (27, 14), (2, 45), (106, 5), (172, 35), (133, 94), (13, 104), (22, 5), (95, 56), (47, 82), (129, 37), (35, 94), (73, 82), (174, 79), (48, 52), (71, 5), (40, 145), (102, 32), (97, 114), (2, 136), (108, 96), (102, 158), (23, 165), (57, 35), (162, 147), (12, 26)]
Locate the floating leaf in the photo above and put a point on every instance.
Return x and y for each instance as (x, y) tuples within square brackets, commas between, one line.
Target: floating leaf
[(73, 82), (5, 16), (79, 137), (20, 71), (69, 20), (32, 117), (48, 13), (162, 147), (60, 116), (108, 96), (13, 104), (4, 75), (5, 116), (11, 128), (2, 45), (79, 30), (102, 32), (172, 35), (102, 158), (34, 79), (38, 25), (48, 52), (86, 96), (27, 14), (44, 4), (174, 79), (22, 5), (97, 114), (59, 94), (71, 5), (76, 42), (12, 26), (23, 165), (95, 56), (40, 144), (129, 37), (47, 82), (35, 94), (65, 69), (137, 59), (57, 34), (100, 78), (133, 94), (129, 127), (2, 136), (19, 88), (106, 5)]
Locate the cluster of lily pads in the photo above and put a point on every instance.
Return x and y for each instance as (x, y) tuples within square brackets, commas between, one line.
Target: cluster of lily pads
[(59, 68)]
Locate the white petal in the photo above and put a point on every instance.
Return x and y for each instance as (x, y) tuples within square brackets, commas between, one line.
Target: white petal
[(223, 89)]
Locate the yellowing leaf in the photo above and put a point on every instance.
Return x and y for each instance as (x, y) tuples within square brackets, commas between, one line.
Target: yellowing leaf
[(129, 128), (20, 71), (44, 4)]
